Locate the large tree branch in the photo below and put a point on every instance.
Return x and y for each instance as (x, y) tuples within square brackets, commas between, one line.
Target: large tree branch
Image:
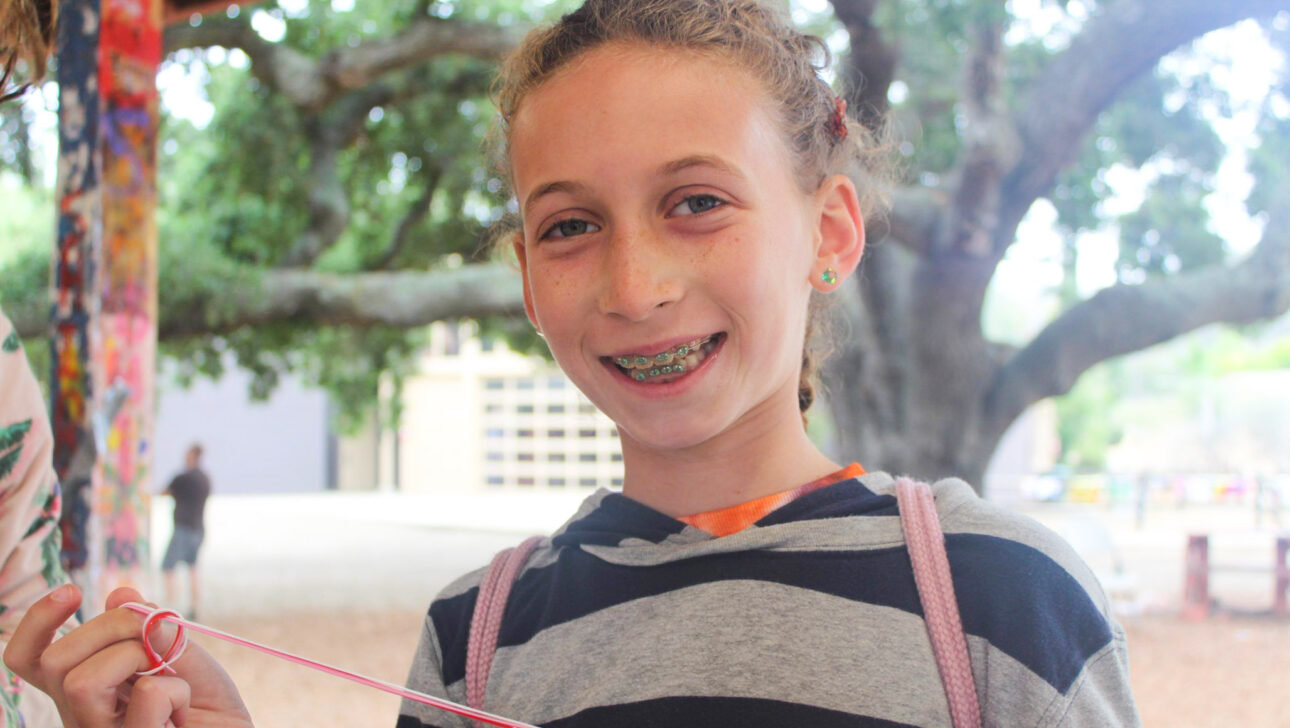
[(275, 65), (1127, 318), (989, 147), (424, 38), (403, 299), (313, 84), (1120, 43)]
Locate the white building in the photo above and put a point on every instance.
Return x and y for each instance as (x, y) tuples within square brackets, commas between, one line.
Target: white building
[(481, 418)]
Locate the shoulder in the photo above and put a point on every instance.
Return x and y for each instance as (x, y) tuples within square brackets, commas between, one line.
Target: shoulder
[(452, 610), (1022, 590)]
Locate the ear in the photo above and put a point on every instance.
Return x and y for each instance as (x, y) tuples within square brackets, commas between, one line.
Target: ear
[(521, 256), (839, 241)]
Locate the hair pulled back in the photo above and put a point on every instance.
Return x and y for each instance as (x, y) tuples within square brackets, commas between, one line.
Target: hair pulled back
[(750, 35), (27, 35)]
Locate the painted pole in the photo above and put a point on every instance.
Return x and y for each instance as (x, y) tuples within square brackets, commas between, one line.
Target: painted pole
[(77, 259), (105, 278)]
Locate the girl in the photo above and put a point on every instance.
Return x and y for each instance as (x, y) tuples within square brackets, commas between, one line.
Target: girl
[(678, 171)]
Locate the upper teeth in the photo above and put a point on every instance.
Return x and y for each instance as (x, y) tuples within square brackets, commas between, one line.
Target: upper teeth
[(641, 361)]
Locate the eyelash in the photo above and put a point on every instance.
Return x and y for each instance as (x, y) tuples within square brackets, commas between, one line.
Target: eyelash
[(545, 235)]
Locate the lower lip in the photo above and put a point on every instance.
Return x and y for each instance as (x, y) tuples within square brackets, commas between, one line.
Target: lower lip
[(673, 387)]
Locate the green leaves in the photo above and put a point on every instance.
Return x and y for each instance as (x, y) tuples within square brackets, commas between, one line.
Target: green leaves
[(11, 438)]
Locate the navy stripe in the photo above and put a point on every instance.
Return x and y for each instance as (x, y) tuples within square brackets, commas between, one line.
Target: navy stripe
[(694, 712), (618, 517), (1026, 605), (407, 721), (840, 500), (1012, 595)]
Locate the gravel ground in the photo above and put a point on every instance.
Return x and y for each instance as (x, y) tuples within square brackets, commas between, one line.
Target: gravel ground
[(1222, 672)]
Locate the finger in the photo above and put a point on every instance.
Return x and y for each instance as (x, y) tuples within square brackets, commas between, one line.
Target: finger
[(36, 631), (126, 594), (107, 629), (157, 701), (94, 688)]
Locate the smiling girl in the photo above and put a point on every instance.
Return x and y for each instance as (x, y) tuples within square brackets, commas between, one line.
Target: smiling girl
[(679, 168)]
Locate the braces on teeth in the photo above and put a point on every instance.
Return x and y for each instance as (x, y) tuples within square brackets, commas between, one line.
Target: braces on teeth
[(642, 367)]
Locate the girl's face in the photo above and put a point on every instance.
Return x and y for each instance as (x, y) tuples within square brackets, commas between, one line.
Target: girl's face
[(664, 230)]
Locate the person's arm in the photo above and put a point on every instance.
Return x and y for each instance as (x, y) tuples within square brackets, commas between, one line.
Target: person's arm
[(30, 503)]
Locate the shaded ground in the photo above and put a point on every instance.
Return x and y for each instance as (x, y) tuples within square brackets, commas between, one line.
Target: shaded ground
[(1223, 672)]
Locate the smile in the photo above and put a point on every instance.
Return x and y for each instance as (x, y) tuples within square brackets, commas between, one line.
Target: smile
[(666, 365)]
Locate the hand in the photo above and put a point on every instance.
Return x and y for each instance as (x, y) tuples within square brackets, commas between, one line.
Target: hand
[(90, 672)]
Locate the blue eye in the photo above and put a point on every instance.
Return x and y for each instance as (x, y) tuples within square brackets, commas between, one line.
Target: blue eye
[(569, 228), (697, 204)]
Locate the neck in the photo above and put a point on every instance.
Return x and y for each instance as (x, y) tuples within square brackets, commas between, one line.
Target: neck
[(764, 453)]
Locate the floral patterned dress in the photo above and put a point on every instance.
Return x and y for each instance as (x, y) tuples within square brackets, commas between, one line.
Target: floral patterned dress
[(29, 507)]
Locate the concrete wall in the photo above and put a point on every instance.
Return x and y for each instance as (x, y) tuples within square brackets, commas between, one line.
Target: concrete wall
[(277, 446)]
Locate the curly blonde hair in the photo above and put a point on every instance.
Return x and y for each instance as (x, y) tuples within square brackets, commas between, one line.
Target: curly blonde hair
[(749, 34), (26, 35)]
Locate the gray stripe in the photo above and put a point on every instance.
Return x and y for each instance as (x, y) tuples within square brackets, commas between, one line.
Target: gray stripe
[(782, 643)]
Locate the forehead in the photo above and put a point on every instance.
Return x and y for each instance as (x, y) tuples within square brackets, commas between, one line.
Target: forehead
[(621, 106)]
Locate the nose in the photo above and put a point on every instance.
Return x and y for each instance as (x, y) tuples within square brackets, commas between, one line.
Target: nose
[(641, 275)]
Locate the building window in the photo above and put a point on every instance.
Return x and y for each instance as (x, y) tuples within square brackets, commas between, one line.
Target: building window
[(586, 432), (556, 383), (558, 482), (525, 457), (587, 482), (586, 408), (587, 457), (494, 383), (496, 480), (555, 409), (525, 481), (555, 432), (492, 409), (525, 409), (495, 457), (616, 457), (617, 482), (555, 457), (494, 432), (524, 383), (525, 432)]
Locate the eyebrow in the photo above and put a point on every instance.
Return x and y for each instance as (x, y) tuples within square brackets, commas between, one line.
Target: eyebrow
[(670, 168), (700, 160), (550, 188)]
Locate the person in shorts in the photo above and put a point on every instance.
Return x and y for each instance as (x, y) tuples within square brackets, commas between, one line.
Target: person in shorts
[(190, 490)]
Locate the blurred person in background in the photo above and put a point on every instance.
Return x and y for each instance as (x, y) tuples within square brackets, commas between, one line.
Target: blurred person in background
[(190, 489)]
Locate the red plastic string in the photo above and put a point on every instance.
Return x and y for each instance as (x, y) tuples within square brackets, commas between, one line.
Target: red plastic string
[(177, 647), (155, 616)]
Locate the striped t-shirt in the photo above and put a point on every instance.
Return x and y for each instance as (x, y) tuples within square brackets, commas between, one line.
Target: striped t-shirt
[(628, 618)]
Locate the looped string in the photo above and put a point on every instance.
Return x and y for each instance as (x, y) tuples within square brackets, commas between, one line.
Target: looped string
[(156, 616), (161, 663)]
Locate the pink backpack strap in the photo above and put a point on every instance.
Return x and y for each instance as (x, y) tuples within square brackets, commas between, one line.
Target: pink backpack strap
[(486, 623), (926, 543)]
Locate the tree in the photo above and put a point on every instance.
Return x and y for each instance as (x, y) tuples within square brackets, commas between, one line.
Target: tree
[(337, 200)]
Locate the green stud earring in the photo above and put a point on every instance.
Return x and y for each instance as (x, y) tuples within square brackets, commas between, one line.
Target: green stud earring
[(829, 276)]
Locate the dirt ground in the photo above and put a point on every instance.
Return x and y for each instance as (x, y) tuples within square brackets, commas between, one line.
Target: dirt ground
[(1232, 671)]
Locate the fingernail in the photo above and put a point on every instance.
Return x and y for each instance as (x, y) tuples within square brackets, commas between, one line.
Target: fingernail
[(64, 594)]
